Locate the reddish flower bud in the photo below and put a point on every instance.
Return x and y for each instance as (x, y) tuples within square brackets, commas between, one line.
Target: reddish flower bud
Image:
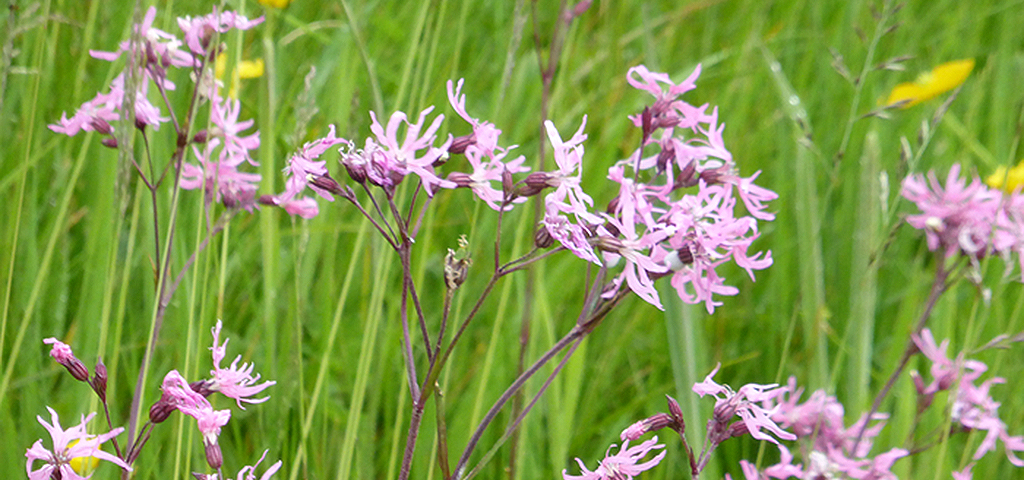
[(99, 381), (460, 144), (213, 455)]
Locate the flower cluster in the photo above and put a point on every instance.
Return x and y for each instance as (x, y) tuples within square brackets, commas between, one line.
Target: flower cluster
[(235, 382), (749, 404), (969, 219), (225, 145), (653, 227), (973, 408), (834, 449)]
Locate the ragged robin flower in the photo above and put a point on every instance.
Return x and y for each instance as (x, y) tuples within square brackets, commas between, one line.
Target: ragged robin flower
[(931, 84)]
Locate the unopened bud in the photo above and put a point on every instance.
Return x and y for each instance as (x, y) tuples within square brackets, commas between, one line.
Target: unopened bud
[(160, 411), (738, 429), (62, 354), (686, 178), (101, 126), (268, 200), (461, 179), (667, 154), (213, 455), (581, 7), (542, 238), (460, 144), (109, 142), (507, 185), (650, 424), (201, 136), (714, 176), (99, 381), (677, 415), (325, 182), (202, 387)]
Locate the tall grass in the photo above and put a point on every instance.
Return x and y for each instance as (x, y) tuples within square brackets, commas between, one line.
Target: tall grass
[(315, 303)]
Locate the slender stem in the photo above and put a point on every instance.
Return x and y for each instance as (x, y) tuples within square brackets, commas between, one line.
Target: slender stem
[(389, 238), (575, 333), (939, 287), (384, 218), (513, 428)]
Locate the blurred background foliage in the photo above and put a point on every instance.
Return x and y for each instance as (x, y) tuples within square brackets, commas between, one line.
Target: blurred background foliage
[(315, 303)]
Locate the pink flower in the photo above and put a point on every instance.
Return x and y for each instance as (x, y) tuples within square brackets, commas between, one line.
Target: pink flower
[(68, 444), (747, 404), (224, 115), (163, 46), (623, 465), (569, 197), (484, 138), (486, 172), (178, 394), (218, 175), (200, 30), (305, 171), (249, 473), (401, 156), (706, 234), (235, 381), (667, 112), (955, 217)]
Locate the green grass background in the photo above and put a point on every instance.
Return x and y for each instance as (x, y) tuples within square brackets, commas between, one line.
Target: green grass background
[(315, 303)]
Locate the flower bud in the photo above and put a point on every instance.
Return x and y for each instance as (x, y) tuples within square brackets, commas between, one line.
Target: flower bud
[(460, 144), (461, 179), (507, 185), (101, 126), (542, 238), (160, 411), (325, 182), (677, 415), (99, 381), (201, 136), (109, 142), (213, 455), (63, 355)]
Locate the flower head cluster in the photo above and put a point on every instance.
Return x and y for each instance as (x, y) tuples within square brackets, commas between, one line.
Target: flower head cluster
[(654, 226), (623, 465), (973, 407), (75, 442), (970, 219), (834, 449), (235, 382), (225, 147), (748, 403)]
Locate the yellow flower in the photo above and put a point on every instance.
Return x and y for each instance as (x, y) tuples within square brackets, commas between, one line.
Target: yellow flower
[(929, 85), (1013, 179), (244, 69), (275, 3), (83, 466)]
